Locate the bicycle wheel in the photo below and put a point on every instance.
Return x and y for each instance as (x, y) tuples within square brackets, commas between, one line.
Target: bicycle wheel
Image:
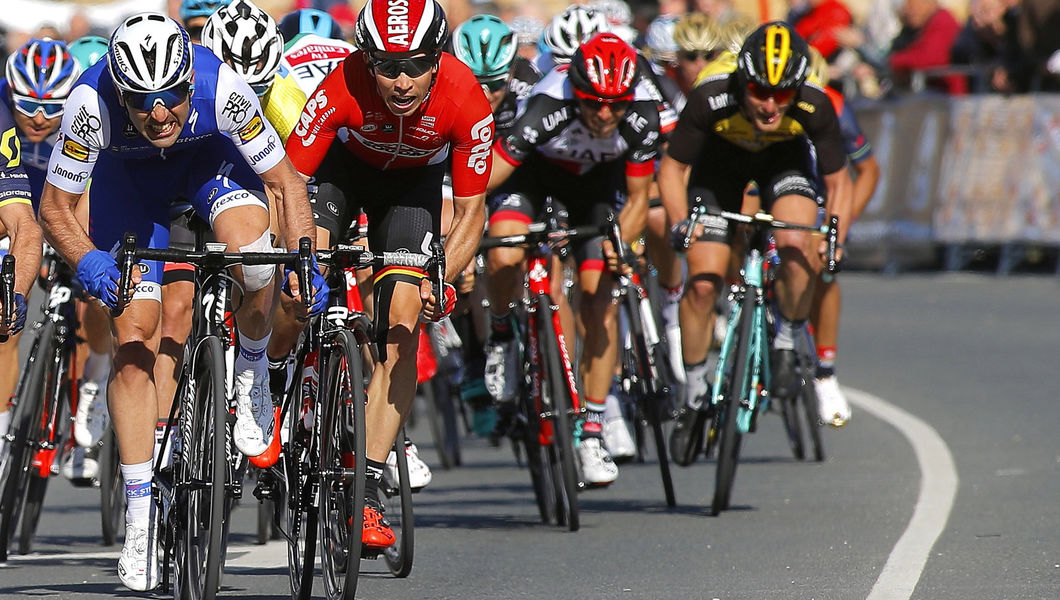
[(537, 462), (23, 436), (789, 412), (111, 489), (399, 556), (201, 506), (342, 467), (735, 389), (561, 452), (441, 416), (299, 466), (807, 400)]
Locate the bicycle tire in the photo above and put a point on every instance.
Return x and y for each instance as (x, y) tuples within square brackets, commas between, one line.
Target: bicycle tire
[(735, 389), (200, 538), (342, 501), (111, 489), (789, 412), (35, 491), (433, 391), (450, 409), (564, 467), (399, 556), (298, 462), (23, 433), (538, 464), (807, 399)]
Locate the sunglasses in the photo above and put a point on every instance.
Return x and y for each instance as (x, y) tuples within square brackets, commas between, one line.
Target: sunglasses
[(694, 55), (261, 88), (31, 106), (595, 104), (763, 93), (391, 68), (494, 84), (146, 101)]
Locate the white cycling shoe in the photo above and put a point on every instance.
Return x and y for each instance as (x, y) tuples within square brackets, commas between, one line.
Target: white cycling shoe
[(138, 567), (831, 402), (419, 473), (616, 433), (255, 418), (92, 415), (80, 466), (597, 466)]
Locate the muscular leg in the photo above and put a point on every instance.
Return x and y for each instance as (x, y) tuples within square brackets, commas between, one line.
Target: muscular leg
[(598, 319), (707, 261), (504, 267), (799, 265), (131, 393), (238, 227), (177, 298)]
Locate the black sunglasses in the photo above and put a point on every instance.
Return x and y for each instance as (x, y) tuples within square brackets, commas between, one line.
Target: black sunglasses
[(693, 55), (391, 68), (596, 105), (495, 84)]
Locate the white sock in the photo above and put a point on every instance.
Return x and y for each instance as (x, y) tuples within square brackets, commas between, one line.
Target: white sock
[(785, 338), (696, 388), (252, 353), (97, 367), (5, 421), (137, 492)]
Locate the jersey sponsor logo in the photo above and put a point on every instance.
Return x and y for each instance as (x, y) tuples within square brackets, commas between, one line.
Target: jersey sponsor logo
[(10, 148), (314, 53), (388, 128), (401, 150), (236, 107), (720, 101), (309, 113), (77, 177), (75, 150), (553, 120), (369, 128), (316, 71), (252, 130), (428, 121), (806, 106), (397, 22), (480, 152), (85, 123), (265, 152), (530, 134), (637, 122)]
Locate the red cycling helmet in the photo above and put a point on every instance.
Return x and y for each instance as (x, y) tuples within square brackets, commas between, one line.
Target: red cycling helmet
[(604, 68), (401, 26)]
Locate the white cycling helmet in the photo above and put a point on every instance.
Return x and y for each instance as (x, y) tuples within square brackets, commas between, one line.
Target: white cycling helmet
[(248, 40), (149, 52), (572, 27)]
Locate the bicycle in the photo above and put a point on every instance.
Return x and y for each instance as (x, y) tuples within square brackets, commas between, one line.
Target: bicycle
[(193, 494), (45, 397), (741, 390), (645, 373), (549, 408), (319, 483), (440, 368)]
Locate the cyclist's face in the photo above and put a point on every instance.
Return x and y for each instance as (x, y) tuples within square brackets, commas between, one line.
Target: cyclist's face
[(38, 127), (404, 93), (689, 65), (766, 113), (161, 125), (601, 118)]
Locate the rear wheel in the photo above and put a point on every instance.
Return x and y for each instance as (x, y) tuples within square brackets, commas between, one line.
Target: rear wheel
[(399, 556), (807, 400), (111, 489), (789, 411), (735, 388)]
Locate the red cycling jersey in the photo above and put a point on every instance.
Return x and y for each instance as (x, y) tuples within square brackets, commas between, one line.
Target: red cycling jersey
[(348, 105)]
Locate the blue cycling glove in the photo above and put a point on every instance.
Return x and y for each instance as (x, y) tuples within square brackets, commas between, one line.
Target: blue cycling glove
[(98, 272), (319, 284)]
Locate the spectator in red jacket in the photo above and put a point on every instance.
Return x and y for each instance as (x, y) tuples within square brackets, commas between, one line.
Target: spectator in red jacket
[(927, 36), (818, 24)]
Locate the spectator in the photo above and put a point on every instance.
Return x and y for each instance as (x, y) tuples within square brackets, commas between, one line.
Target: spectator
[(927, 36), (719, 10), (818, 23), (989, 41), (1039, 36)]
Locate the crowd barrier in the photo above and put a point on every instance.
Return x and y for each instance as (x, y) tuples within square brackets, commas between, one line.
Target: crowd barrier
[(959, 175)]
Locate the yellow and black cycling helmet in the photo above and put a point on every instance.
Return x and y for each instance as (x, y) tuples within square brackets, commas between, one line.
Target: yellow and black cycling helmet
[(773, 57)]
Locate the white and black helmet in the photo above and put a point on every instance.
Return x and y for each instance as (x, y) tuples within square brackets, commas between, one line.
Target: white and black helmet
[(247, 39), (572, 27), (149, 52)]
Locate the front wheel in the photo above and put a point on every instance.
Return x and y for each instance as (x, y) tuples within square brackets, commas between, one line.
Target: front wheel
[(735, 388)]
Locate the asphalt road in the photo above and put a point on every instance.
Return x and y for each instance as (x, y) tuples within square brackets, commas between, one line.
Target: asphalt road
[(943, 487)]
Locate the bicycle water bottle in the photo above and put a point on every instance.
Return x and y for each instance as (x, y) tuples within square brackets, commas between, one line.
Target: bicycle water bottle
[(309, 389)]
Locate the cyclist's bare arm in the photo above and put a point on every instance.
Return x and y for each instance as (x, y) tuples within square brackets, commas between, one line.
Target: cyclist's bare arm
[(502, 170), (673, 189), (60, 225), (469, 218), (868, 171), (294, 215), (25, 235), (633, 217)]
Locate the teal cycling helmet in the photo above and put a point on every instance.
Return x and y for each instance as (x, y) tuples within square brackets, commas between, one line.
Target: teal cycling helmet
[(486, 44), (87, 50), (310, 20), (189, 9)]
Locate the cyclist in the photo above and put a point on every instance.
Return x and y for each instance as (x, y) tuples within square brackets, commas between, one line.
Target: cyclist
[(161, 118), (587, 138), (193, 15), (565, 32), (528, 32), (752, 121), (314, 47), (309, 21), (698, 40), (22, 240), (407, 109), (833, 405), (87, 50)]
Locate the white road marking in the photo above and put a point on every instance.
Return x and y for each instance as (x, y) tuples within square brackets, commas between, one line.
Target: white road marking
[(938, 488)]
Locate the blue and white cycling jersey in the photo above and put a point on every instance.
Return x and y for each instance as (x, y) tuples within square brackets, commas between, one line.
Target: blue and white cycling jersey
[(34, 156)]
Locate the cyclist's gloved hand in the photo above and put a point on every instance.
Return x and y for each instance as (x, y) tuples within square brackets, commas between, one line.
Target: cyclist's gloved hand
[(431, 310), (18, 319), (319, 285), (98, 272), (679, 234)]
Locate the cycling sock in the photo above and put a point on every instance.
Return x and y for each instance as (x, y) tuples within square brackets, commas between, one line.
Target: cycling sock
[(826, 361), (501, 326), (670, 306), (785, 338), (97, 367), (5, 421), (594, 418), (252, 353), (137, 491), (612, 405), (278, 376), (374, 473), (171, 448), (698, 390)]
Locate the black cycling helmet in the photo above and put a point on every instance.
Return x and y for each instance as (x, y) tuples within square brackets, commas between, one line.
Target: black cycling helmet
[(773, 57)]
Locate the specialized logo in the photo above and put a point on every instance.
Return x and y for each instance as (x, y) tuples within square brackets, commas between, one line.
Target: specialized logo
[(75, 150), (252, 130), (236, 107), (778, 51), (482, 132), (85, 123), (309, 113)]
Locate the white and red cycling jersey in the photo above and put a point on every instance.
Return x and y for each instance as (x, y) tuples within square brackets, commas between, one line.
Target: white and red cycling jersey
[(450, 121)]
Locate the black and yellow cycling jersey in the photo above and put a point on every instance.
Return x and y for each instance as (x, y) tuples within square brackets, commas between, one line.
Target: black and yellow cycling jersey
[(713, 121)]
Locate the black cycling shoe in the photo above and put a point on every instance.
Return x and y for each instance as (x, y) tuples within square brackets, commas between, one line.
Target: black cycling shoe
[(686, 439), (786, 382)]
